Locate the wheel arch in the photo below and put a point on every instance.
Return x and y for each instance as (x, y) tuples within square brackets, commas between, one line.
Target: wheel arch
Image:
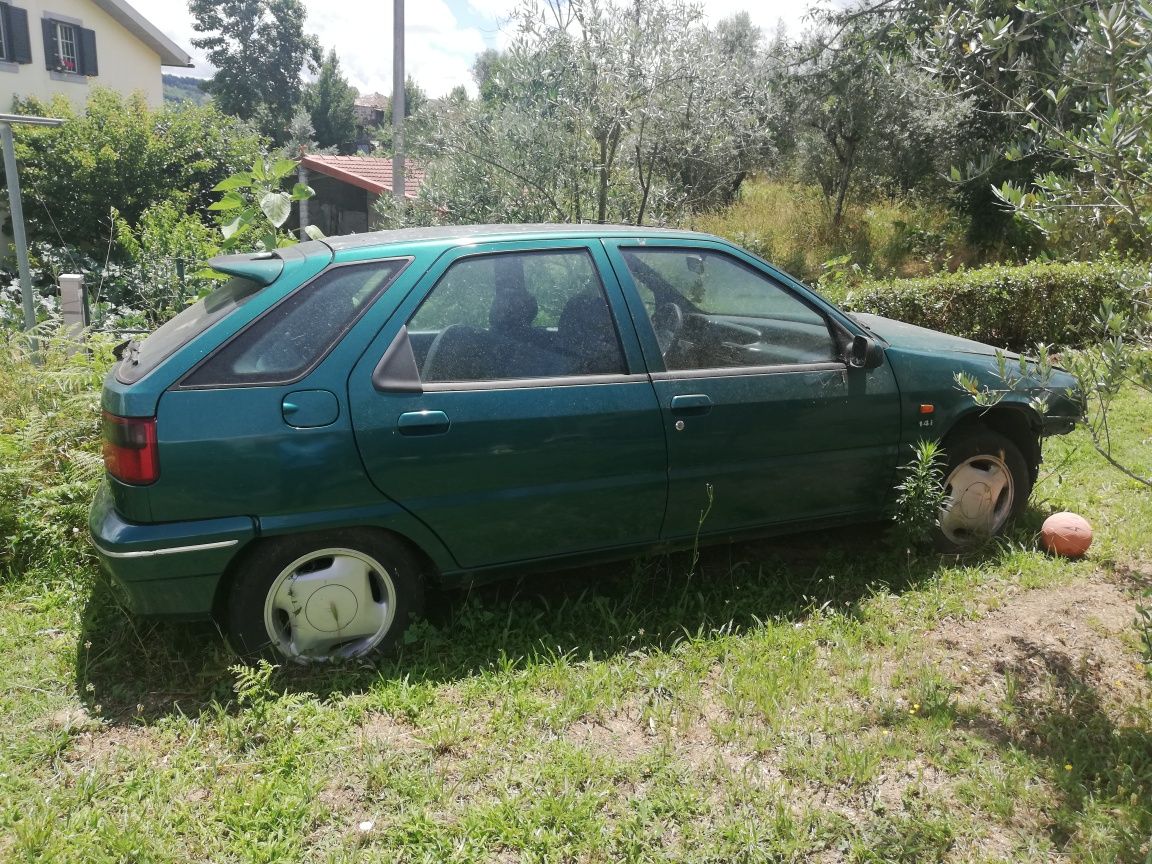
[(1020, 424), (428, 571)]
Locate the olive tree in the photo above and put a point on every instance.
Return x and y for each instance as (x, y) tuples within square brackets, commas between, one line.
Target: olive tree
[(1074, 77), (599, 111), (1080, 96), (862, 112)]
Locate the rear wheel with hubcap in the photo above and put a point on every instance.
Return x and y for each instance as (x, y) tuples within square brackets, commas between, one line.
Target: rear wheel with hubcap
[(987, 482), (326, 596)]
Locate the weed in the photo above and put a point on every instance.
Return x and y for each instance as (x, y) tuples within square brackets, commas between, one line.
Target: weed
[(920, 495)]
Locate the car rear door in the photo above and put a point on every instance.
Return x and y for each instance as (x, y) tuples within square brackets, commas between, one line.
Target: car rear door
[(507, 406), (765, 422)]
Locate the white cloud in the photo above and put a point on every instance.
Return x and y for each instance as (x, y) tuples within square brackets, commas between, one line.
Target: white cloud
[(438, 50)]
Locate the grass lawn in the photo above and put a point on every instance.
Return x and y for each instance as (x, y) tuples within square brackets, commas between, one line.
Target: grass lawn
[(820, 698)]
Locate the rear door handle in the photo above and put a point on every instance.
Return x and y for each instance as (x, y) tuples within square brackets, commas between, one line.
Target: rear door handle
[(691, 404), (423, 423)]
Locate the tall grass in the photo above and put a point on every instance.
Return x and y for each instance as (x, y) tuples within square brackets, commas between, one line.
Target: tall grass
[(50, 459), (791, 226)]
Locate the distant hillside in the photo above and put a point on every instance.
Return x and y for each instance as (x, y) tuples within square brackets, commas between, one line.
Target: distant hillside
[(178, 88)]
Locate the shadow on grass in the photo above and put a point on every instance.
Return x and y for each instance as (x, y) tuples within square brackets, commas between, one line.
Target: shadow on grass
[(1098, 765), (139, 670)]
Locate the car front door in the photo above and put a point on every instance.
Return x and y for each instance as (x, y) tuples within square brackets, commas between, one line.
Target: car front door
[(766, 423), (505, 407)]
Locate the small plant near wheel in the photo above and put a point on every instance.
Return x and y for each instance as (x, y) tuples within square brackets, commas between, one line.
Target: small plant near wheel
[(921, 495)]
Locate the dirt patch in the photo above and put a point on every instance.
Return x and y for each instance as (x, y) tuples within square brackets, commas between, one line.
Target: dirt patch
[(385, 732), (621, 737), (1084, 629), (111, 744)]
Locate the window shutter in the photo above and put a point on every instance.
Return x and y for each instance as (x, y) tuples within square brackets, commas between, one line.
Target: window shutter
[(51, 55), (87, 64), (19, 44), (7, 21)]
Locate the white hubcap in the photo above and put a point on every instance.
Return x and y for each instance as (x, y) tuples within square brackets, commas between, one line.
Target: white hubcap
[(980, 497), (328, 604)]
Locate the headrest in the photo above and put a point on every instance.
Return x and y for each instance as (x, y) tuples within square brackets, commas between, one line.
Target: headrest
[(586, 311), (512, 310)]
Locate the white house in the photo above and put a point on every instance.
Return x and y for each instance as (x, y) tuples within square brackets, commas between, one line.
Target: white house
[(67, 46)]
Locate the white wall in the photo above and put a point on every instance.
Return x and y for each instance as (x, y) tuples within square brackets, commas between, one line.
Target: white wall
[(125, 63)]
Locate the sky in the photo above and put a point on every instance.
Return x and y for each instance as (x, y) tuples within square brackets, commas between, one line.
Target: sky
[(442, 37)]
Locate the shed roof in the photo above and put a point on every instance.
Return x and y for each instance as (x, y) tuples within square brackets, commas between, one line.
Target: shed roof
[(366, 172)]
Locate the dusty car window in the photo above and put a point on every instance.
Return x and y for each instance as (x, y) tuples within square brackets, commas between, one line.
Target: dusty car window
[(292, 336), (709, 310), (516, 315), (185, 327)]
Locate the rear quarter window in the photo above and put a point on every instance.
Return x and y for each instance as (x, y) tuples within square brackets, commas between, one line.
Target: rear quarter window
[(296, 334), (179, 331)]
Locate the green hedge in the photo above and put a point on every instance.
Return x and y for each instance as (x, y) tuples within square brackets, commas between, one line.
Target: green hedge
[(1010, 307)]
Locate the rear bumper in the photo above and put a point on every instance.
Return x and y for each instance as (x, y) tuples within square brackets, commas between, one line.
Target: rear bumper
[(169, 569)]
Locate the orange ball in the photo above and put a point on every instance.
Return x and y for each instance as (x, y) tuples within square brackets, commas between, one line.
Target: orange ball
[(1066, 534)]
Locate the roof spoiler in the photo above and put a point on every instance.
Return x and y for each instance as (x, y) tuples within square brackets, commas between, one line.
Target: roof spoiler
[(263, 268)]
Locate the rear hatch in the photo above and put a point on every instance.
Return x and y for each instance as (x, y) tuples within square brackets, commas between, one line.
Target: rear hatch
[(134, 386)]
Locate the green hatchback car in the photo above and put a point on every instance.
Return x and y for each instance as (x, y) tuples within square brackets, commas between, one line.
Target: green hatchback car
[(300, 452)]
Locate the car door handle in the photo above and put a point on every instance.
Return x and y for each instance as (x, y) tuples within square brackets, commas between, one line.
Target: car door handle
[(691, 403), (423, 423)]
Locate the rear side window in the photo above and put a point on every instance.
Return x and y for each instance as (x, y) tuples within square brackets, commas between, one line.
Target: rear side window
[(516, 315), (179, 331), (296, 334)]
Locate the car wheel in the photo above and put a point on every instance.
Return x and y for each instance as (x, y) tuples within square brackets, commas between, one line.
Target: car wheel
[(321, 597), (987, 482)]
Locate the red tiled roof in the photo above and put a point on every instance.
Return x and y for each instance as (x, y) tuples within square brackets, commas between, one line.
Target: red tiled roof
[(367, 172)]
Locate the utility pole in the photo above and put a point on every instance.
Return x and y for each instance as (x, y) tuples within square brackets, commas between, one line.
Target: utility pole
[(398, 100), (16, 205)]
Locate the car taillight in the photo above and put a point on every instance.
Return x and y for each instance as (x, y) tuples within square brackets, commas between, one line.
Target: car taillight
[(130, 451)]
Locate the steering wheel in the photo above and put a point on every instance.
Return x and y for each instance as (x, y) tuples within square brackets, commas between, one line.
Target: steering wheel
[(667, 321)]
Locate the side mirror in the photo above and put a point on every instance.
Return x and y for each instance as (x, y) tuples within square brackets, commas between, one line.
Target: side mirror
[(865, 353)]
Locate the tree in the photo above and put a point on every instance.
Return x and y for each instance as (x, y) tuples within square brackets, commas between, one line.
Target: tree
[(331, 103), (121, 153), (260, 51), (600, 110), (414, 98), (1080, 97), (858, 109), (1073, 79)]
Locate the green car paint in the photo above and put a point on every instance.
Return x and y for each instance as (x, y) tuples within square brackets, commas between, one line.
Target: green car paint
[(486, 475)]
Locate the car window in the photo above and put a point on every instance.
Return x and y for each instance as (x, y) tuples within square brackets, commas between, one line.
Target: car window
[(183, 328), (516, 315), (294, 335), (709, 310)]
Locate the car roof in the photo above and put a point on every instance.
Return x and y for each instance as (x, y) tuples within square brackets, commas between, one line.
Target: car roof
[(490, 232)]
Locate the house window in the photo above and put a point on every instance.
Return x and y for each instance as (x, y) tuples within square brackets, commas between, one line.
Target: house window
[(66, 52), (15, 46), (69, 48)]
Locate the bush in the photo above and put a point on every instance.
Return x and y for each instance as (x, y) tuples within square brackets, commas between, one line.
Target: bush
[(1010, 307), (122, 154), (166, 251)]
